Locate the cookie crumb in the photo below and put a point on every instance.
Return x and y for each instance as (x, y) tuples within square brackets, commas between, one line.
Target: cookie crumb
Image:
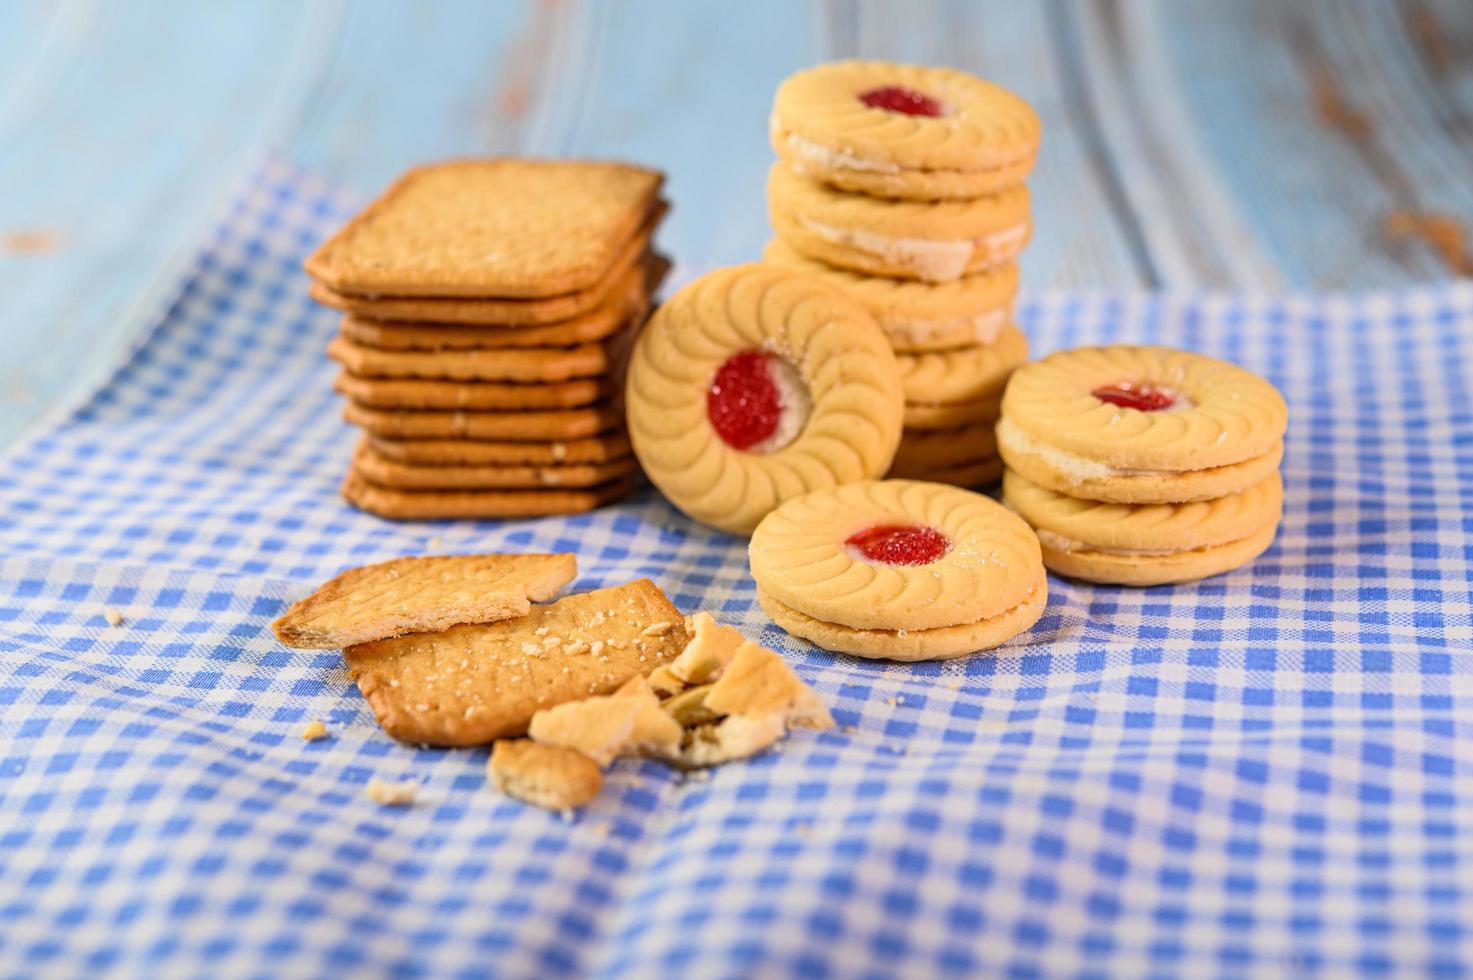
[(435, 542), (113, 616), (314, 730), (385, 793), (656, 629)]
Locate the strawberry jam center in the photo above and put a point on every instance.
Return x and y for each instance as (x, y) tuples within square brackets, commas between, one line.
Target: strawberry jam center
[(899, 544), (898, 98), (743, 402), (1144, 398)]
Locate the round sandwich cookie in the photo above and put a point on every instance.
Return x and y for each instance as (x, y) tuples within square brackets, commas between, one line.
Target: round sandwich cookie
[(966, 374), (920, 316), (1141, 425), (937, 416), (898, 569), (756, 384), (943, 448), (1148, 544), (903, 131), (933, 241)]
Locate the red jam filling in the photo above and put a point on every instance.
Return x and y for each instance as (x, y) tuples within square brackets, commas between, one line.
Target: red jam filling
[(1144, 398), (898, 98), (742, 402), (899, 544)]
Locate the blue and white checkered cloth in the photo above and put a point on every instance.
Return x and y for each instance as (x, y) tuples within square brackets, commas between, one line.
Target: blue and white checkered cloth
[(1269, 773)]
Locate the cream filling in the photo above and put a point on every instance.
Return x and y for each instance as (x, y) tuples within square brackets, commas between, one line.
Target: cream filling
[(981, 329), (933, 259), (827, 159), (1058, 542), (795, 404), (1076, 468)]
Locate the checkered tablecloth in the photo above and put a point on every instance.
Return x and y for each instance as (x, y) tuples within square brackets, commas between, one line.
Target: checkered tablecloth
[(1269, 773)]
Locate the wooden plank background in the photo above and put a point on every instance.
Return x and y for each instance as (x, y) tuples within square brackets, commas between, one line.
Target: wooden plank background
[(1189, 144)]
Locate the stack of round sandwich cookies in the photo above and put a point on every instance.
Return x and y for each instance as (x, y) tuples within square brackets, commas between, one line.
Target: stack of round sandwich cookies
[(488, 308), (903, 185), (1143, 465), (755, 384), (898, 569)]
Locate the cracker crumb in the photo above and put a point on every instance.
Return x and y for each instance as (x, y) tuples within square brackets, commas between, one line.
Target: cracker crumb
[(540, 631), (113, 616), (597, 648), (803, 828), (436, 542), (602, 829), (314, 730), (385, 793), (565, 814), (531, 648), (656, 629)]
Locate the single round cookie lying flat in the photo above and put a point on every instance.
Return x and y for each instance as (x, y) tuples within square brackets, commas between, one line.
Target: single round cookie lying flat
[(1150, 544), (920, 316), (903, 131), (934, 241), (898, 568), (1093, 416), (755, 384)]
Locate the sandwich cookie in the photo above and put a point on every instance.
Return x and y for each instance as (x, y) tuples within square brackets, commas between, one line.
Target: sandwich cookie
[(1148, 544), (1141, 425), (898, 569), (903, 131), (756, 384), (920, 316), (933, 241)]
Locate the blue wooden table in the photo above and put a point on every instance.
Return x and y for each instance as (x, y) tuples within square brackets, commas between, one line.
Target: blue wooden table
[(1246, 146)]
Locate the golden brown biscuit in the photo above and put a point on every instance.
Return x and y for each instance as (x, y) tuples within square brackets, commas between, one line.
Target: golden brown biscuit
[(1148, 544), (471, 684), (933, 241), (535, 426), (966, 374), (543, 775), (588, 328), (928, 416), (974, 473), (895, 555), (501, 227), (518, 364), (389, 473), (1109, 409), (473, 395), (754, 384), (940, 448), (920, 316), (627, 273), (903, 131), (468, 452), (444, 505), (416, 595)]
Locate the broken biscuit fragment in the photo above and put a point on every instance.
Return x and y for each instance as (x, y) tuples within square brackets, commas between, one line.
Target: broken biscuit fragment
[(549, 776), (385, 793), (710, 649), (628, 722), (475, 683), (759, 682), (421, 595)]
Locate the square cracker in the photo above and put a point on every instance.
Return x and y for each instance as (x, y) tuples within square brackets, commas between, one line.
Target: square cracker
[(468, 452), (476, 396), (448, 505), (469, 685), (404, 476), (520, 364), (554, 425), (499, 227), (412, 595)]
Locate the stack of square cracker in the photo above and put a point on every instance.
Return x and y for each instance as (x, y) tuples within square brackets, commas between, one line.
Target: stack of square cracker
[(488, 305)]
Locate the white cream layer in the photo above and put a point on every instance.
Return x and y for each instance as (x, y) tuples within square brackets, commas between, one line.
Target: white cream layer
[(1058, 542), (980, 329), (827, 159), (933, 259), (1076, 468)]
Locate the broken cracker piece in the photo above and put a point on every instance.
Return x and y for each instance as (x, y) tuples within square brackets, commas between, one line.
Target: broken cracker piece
[(688, 708), (758, 681), (472, 684), (731, 738), (420, 595), (710, 649), (112, 616), (385, 793), (627, 722), (549, 776), (314, 730)]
